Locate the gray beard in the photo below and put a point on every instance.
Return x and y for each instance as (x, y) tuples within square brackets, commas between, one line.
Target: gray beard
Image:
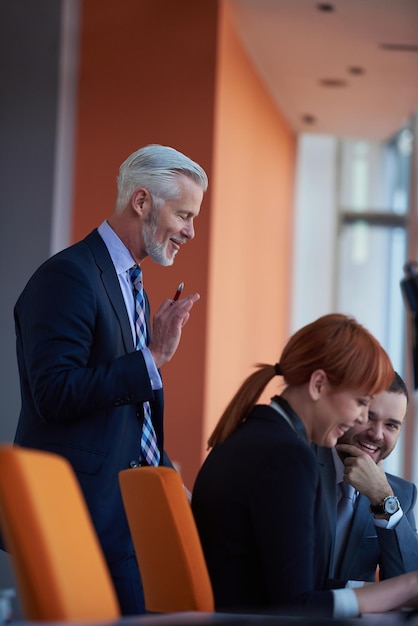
[(156, 251)]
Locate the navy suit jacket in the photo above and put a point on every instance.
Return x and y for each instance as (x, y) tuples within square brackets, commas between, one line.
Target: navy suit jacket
[(82, 382), (258, 508), (394, 551)]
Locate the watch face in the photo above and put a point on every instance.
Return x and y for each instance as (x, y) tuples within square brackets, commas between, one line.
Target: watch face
[(391, 505)]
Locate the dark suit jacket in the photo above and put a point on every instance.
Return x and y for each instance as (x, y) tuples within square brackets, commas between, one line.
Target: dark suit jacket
[(394, 551), (82, 382), (257, 504)]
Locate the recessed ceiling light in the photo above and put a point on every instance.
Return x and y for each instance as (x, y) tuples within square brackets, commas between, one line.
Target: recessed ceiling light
[(333, 82), (399, 47), (356, 70), (308, 119), (325, 6)]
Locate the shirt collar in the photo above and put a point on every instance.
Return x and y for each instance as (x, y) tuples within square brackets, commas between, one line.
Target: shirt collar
[(121, 257)]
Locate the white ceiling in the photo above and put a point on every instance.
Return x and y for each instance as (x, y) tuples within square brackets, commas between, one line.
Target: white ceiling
[(294, 46)]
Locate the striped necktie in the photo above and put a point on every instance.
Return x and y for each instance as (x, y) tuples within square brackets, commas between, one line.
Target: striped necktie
[(149, 444)]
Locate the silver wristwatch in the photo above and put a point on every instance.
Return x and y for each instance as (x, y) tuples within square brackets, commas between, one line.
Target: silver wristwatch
[(388, 507)]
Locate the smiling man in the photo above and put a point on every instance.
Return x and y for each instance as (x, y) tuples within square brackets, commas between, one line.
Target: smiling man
[(380, 529), (89, 368)]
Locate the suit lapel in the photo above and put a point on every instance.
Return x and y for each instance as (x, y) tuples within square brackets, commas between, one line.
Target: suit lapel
[(328, 479), (327, 468), (111, 285)]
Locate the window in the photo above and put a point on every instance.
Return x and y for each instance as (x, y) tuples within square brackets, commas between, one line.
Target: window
[(351, 210)]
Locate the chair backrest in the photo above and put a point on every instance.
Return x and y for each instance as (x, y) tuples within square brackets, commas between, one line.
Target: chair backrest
[(170, 556), (60, 570)]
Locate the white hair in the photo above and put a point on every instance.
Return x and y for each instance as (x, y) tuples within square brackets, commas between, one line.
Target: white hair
[(156, 168)]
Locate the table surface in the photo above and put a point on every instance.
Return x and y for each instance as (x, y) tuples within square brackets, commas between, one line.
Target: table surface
[(232, 619)]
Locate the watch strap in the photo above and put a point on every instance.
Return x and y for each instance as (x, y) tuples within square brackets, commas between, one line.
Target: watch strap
[(377, 509)]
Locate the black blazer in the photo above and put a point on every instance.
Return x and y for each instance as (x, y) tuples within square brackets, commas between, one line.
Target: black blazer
[(82, 382), (395, 551), (258, 507)]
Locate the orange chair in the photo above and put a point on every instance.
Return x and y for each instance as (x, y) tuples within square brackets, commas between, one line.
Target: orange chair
[(169, 553), (60, 570)]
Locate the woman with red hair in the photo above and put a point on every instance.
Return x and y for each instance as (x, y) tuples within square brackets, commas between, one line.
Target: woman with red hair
[(257, 498)]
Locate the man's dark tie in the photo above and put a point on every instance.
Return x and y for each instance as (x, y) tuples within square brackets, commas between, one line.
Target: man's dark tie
[(149, 444), (344, 515)]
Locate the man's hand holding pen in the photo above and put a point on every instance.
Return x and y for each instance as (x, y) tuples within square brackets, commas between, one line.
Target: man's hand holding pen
[(168, 324)]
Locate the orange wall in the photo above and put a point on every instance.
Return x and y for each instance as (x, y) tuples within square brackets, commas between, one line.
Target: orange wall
[(156, 71), (251, 227)]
